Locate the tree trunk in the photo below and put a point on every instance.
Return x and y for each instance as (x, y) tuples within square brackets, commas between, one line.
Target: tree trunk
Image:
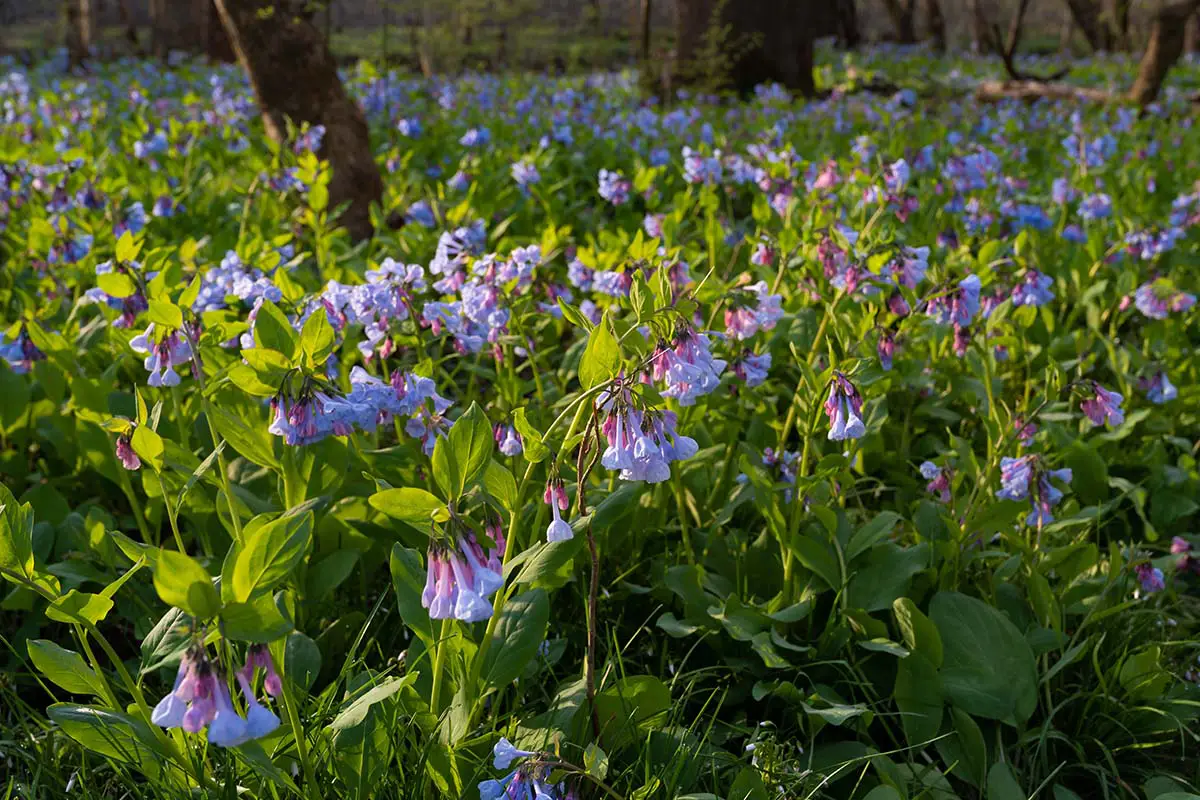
[(770, 41), (937, 24), (982, 40), (1118, 23), (1088, 17), (293, 75), (1191, 36), (847, 23), (131, 34), (216, 42), (1065, 30), (647, 9), (77, 48), (1167, 32), (903, 14)]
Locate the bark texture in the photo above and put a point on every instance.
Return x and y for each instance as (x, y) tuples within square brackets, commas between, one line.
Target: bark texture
[(294, 76), (78, 33), (937, 23), (760, 40), (903, 14), (1167, 34)]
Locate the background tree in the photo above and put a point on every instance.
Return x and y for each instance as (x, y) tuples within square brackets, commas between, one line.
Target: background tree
[(903, 14), (294, 76)]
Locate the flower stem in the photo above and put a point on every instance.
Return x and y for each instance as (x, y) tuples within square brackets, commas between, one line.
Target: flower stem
[(439, 663)]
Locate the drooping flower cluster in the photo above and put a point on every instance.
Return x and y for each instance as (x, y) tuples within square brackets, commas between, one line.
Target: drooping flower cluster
[(958, 306), (613, 187), (1159, 298), (528, 781), (1158, 388), (164, 350), (939, 480), (687, 366), (1026, 477), (200, 699), (1033, 290), (1103, 406), (844, 409), (641, 443), (460, 578), (555, 496), (378, 305), (752, 310), (316, 411), (20, 353)]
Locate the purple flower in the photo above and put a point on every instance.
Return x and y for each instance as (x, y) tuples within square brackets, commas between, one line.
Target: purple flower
[(164, 352), (642, 444), (525, 173), (508, 440), (752, 368), (129, 459), (886, 348), (844, 409), (1025, 477), (21, 352), (555, 496), (1104, 406), (698, 168), (1159, 298), (459, 580), (652, 224), (1150, 577), (503, 754), (1158, 388), (1033, 290), (1095, 206), (958, 306), (939, 480), (613, 187), (752, 310), (687, 366), (1025, 431)]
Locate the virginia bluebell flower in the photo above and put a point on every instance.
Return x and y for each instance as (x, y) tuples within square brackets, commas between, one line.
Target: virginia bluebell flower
[(555, 496), (1150, 578), (1159, 298), (1033, 290), (508, 440), (459, 580), (1025, 477), (1158, 388), (1104, 406), (687, 366), (20, 353), (613, 187), (886, 348), (525, 173), (844, 409), (958, 306), (164, 350), (939, 480), (751, 310), (752, 367)]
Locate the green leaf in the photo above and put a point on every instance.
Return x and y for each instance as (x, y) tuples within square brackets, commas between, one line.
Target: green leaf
[(301, 660), (318, 197), (256, 621), (317, 339), (501, 485), (116, 284), (415, 507), (149, 447), (1002, 784), (357, 709), (408, 580), (16, 534), (253, 443), (595, 762), (602, 357), (519, 632), (918, 695), (181, 582), (920, 634), (988, 669), (460, 457), (76, 605), (270, 553), (748, 785), (331, 572), (64, 668), (634, 703), (128, 248), (273, 331), (531, 440), (166, 314), (868, 535), (111, 734)]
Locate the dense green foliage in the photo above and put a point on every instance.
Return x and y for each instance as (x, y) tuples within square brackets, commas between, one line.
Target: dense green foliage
[(855, 351)]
